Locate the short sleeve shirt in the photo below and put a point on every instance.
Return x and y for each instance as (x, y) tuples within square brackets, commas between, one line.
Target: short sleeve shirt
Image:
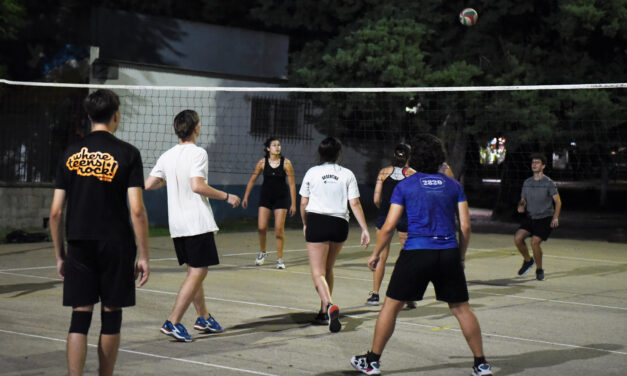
[(539, 196), (189, 213), (430, 201), (329, 187), (96, 173)]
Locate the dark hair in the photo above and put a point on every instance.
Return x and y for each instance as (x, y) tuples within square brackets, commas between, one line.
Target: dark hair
[(402, 152), (427, 153), (267, 143), (329, 150), (539, 156), (101, 105), (185, 123)]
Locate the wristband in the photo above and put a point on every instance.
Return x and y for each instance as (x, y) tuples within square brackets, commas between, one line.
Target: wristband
[(227, 197)]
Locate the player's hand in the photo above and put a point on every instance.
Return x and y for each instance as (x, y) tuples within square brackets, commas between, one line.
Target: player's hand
[(292, 210), (245, 203), (373, 261), (233, 200), (61, 268), (365, 238), (555, 223), (522, 204), (142, 267)]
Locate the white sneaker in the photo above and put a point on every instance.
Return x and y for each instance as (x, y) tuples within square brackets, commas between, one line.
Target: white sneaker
[(261, 258), (280, 264)]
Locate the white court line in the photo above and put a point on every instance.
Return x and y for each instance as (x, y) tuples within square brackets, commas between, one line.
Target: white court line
[(552, 300), (545, 255), (147, 354), (522, 339), (399, 321)]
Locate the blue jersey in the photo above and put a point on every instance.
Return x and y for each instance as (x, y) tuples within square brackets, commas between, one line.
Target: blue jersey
[(430, 201)]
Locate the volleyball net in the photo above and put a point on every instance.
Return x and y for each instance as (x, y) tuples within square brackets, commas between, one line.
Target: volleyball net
[(488, 131)]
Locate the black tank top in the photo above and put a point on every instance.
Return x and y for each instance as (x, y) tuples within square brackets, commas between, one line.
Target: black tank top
[(388, 187), (274, 184)]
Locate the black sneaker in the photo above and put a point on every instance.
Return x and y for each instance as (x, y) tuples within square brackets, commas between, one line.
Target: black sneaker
[(373, 300), (483, 369), (540, 274), (333, 312), (321, 319), (360, 363), (526, 266)]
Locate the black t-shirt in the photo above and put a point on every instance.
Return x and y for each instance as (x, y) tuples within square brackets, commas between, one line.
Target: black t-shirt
[(96, 173)]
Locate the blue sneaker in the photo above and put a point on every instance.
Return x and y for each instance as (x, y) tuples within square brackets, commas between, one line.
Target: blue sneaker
[(177, 331), (483, 369), (208, 325)]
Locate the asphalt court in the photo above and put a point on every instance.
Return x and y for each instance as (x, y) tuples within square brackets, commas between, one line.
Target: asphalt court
[(573, 323)]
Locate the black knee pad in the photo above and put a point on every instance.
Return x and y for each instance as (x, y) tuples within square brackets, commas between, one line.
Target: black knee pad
[(111, 322), (81, 320)]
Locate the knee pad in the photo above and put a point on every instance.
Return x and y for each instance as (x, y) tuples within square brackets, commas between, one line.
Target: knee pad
[(81, 320), (111, 322)]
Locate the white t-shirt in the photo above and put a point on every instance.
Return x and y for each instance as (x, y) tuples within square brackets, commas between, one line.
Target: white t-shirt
[(189, 213), (329, 187)]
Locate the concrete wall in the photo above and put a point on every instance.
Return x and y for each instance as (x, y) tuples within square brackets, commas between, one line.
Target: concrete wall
[(24, 207)]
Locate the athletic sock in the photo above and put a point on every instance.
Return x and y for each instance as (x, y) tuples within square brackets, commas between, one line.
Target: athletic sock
[(479, 360), (372, 357)]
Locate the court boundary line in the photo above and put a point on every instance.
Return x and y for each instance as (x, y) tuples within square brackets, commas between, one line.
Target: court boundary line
[(151, 355)]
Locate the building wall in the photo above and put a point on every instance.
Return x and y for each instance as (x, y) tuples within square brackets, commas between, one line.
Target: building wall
[(225, 118), (25, 207)]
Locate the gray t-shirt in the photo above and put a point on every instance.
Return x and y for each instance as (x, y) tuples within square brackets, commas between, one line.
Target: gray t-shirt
[(539, 196)]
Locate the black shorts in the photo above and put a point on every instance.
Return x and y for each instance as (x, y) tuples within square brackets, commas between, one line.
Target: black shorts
[(414, 269), (401, 226), (196, 251), (325, 228), (273, 203), (99, 270), (537, 227)]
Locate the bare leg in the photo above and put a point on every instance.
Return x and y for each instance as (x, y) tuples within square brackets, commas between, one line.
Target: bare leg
[(108, 345), (279, 230), (379, 272), (519, 240), (470, 326), (77, 348), (385, 324), (537, 251), (318, 253), (199, 302), (263, 217), (188, 291)]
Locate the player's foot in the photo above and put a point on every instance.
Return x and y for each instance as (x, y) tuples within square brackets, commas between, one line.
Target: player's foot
[(373, 300), (526, 265), (321, 319), (177, 331), (360, 363), (280, 264), (209, 325), (540, 274), (334, 318), (483, 369), (261, 258), (410, 304)]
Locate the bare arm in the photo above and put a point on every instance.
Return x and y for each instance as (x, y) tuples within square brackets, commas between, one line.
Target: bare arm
[(251, 182), (303, 215), (140, 227), (378, 188), (289, 171), (199, 186), (56, 228), (558, 209), (153, 183), (358, 212), (384, 236), (464, 227)]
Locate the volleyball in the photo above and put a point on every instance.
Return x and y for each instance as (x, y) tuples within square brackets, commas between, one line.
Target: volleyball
[(468, 17)]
